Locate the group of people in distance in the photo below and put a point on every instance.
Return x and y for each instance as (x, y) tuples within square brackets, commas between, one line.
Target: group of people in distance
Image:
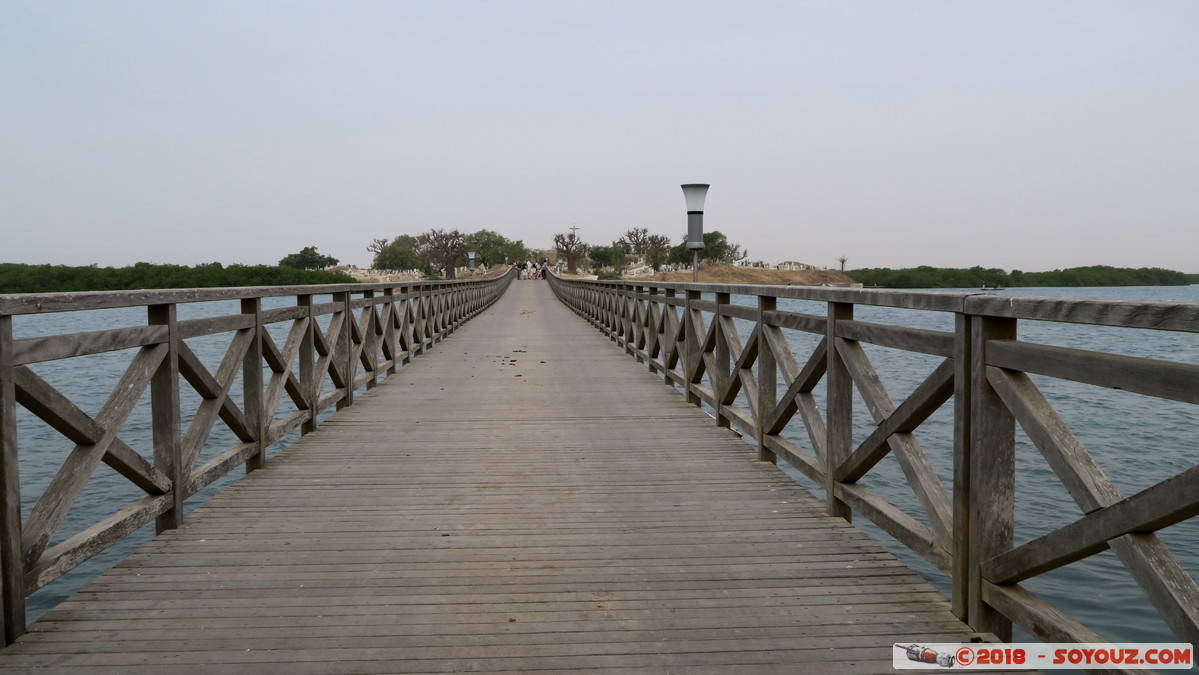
[(531, 270)]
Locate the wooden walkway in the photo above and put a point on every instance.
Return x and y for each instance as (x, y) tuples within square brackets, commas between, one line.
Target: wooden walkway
[(524, 498)]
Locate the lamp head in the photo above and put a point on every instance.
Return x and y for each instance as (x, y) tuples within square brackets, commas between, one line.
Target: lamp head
[(695, 193)]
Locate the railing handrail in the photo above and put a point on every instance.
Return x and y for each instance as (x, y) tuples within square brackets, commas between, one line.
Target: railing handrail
[(372, 330), (984, 370), (43, 303), (1149, 314)]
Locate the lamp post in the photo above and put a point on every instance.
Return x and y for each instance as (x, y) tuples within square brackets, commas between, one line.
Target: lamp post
[(470, 260), (695, 193)]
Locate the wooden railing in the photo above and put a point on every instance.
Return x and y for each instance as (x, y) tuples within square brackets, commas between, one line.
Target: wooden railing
[(331, 350), (966, 530)]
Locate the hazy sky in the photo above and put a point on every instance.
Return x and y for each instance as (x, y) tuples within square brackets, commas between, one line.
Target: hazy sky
[(1028, 135)]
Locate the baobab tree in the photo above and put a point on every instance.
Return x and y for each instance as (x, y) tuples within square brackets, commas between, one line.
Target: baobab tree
[(639, 241), (442, 249), (571, 247)]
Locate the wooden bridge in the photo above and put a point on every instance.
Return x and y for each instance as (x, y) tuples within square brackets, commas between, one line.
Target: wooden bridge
[(527, 497)]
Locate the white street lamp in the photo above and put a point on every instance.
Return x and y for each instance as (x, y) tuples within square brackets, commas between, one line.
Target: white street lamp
[(695, 193)]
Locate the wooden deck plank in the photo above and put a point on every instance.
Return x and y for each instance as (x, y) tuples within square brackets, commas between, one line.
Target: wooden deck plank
[(523, 498)]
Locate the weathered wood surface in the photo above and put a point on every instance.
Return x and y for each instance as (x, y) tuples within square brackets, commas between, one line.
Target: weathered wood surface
[(521, 499), (385, 329), (970, 535)]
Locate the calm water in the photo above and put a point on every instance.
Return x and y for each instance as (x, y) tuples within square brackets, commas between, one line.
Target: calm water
[(1138, 441)]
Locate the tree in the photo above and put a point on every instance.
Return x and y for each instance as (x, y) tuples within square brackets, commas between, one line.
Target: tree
[(308, 259), (656, 240), (639, 241), (400, 254), (716, 248), (843, 259), (657, 256), (377, 246), (493, 248), (407, 241), (442, 250), (609, 256), (571, 247), (635, 240)]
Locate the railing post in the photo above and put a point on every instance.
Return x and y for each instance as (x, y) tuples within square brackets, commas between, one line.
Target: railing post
[(669, 343), (767, 380), (430, 320), (430, 307), (370, 346), (720, 378), (651, 333), (992, 474), (609, 310), (164, 417), (310, 384), (447, 311), (420, 320), (441, 314), (343, 349), (692, 347), (628, 300), (839, 425), (614, 314), (389, 330), (611, 320), (407, 305), (960, 574), (251, 377), (12, 567)]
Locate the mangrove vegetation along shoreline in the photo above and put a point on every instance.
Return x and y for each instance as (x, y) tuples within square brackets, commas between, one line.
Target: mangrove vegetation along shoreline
[(22, 278), (977, 277)]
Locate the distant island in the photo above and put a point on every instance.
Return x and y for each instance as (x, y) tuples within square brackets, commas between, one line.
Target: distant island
[(978, 277), (20, 278)]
